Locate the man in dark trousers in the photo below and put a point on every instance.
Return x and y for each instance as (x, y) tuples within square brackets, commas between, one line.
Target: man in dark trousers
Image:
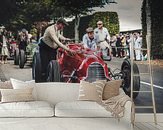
[(50, 42)]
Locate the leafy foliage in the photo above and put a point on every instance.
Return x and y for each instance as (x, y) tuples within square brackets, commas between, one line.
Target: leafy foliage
[(23, 13), (110, 20), (8, 9), (80, 6)]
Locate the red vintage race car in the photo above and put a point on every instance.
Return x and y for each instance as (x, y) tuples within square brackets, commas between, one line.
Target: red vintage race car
[(85, 65)]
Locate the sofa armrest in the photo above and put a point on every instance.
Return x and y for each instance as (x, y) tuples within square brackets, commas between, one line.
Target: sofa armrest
[(128, 109), (126, 121)]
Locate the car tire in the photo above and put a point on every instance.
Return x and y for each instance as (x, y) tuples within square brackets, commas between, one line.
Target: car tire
[(36, 68), (53, 72), (126, 70), (22, 59), (16, 56)]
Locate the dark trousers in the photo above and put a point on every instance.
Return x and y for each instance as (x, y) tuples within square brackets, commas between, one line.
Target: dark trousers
[(114, 51), (46, 54), (23, 45)]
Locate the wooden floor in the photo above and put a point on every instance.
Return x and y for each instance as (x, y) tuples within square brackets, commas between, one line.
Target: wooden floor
[(148, 126)]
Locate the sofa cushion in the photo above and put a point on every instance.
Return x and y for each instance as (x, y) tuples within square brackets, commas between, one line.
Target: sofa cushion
[(80, 109), (91, 91), (18, 84), (16, 95), (26, 109), (111, 89)]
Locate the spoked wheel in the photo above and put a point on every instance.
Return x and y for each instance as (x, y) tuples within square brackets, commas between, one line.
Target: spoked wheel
[(126, 70), (36, 68), (22, 59), (16, 56), (53, 72)]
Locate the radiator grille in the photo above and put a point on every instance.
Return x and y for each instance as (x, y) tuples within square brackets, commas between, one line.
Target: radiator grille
[(95, 72)]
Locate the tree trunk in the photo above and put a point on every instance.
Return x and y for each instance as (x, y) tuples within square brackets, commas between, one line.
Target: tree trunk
[(77, 21), (148, 20)]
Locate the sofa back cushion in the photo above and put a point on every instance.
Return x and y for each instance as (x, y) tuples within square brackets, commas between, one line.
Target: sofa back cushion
[(55, 92)]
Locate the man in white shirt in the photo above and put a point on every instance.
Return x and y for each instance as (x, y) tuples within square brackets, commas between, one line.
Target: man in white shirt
[(103, 37), (50, 42), (138, 45)]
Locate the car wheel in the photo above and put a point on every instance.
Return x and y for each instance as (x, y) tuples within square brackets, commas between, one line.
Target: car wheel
[(16, 56), (22, 59), (36, 68), (53, 72), (126, 70)]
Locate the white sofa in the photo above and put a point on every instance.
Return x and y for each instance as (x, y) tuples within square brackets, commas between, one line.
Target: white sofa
[(57, 108)]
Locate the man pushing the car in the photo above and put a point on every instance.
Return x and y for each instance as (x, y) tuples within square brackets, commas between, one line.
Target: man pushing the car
[(50, 42)]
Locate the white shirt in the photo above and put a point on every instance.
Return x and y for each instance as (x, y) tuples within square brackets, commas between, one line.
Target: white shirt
[(138, 42), (4, 42), (102, 34)]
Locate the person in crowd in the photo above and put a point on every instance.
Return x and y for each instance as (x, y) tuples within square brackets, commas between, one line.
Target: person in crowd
[(138, 45), (23, 39), (119, 46), (4, 49), (113, 45), (89, 39), (103, 38), (123, 42), (128, 43), (50, 42), (13, 45)]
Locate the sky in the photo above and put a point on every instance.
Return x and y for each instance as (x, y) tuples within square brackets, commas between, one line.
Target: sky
[(129, 12)]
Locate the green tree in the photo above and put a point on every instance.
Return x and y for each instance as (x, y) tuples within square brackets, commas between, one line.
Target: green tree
[(23, 13), (80, 7), (8, 9)]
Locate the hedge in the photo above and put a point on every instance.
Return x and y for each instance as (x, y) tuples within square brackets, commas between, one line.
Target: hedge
[(110, 20), (156, 29)]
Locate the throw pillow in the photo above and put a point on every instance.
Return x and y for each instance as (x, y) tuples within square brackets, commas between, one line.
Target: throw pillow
[(16, 95), (91, 91), (111, 89), (5, 85), (18, 84)]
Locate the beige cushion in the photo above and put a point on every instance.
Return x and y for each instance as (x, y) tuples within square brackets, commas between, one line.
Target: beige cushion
[(91, 91), (5, 85), (111, 89), (16, 95), (18, 84)]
